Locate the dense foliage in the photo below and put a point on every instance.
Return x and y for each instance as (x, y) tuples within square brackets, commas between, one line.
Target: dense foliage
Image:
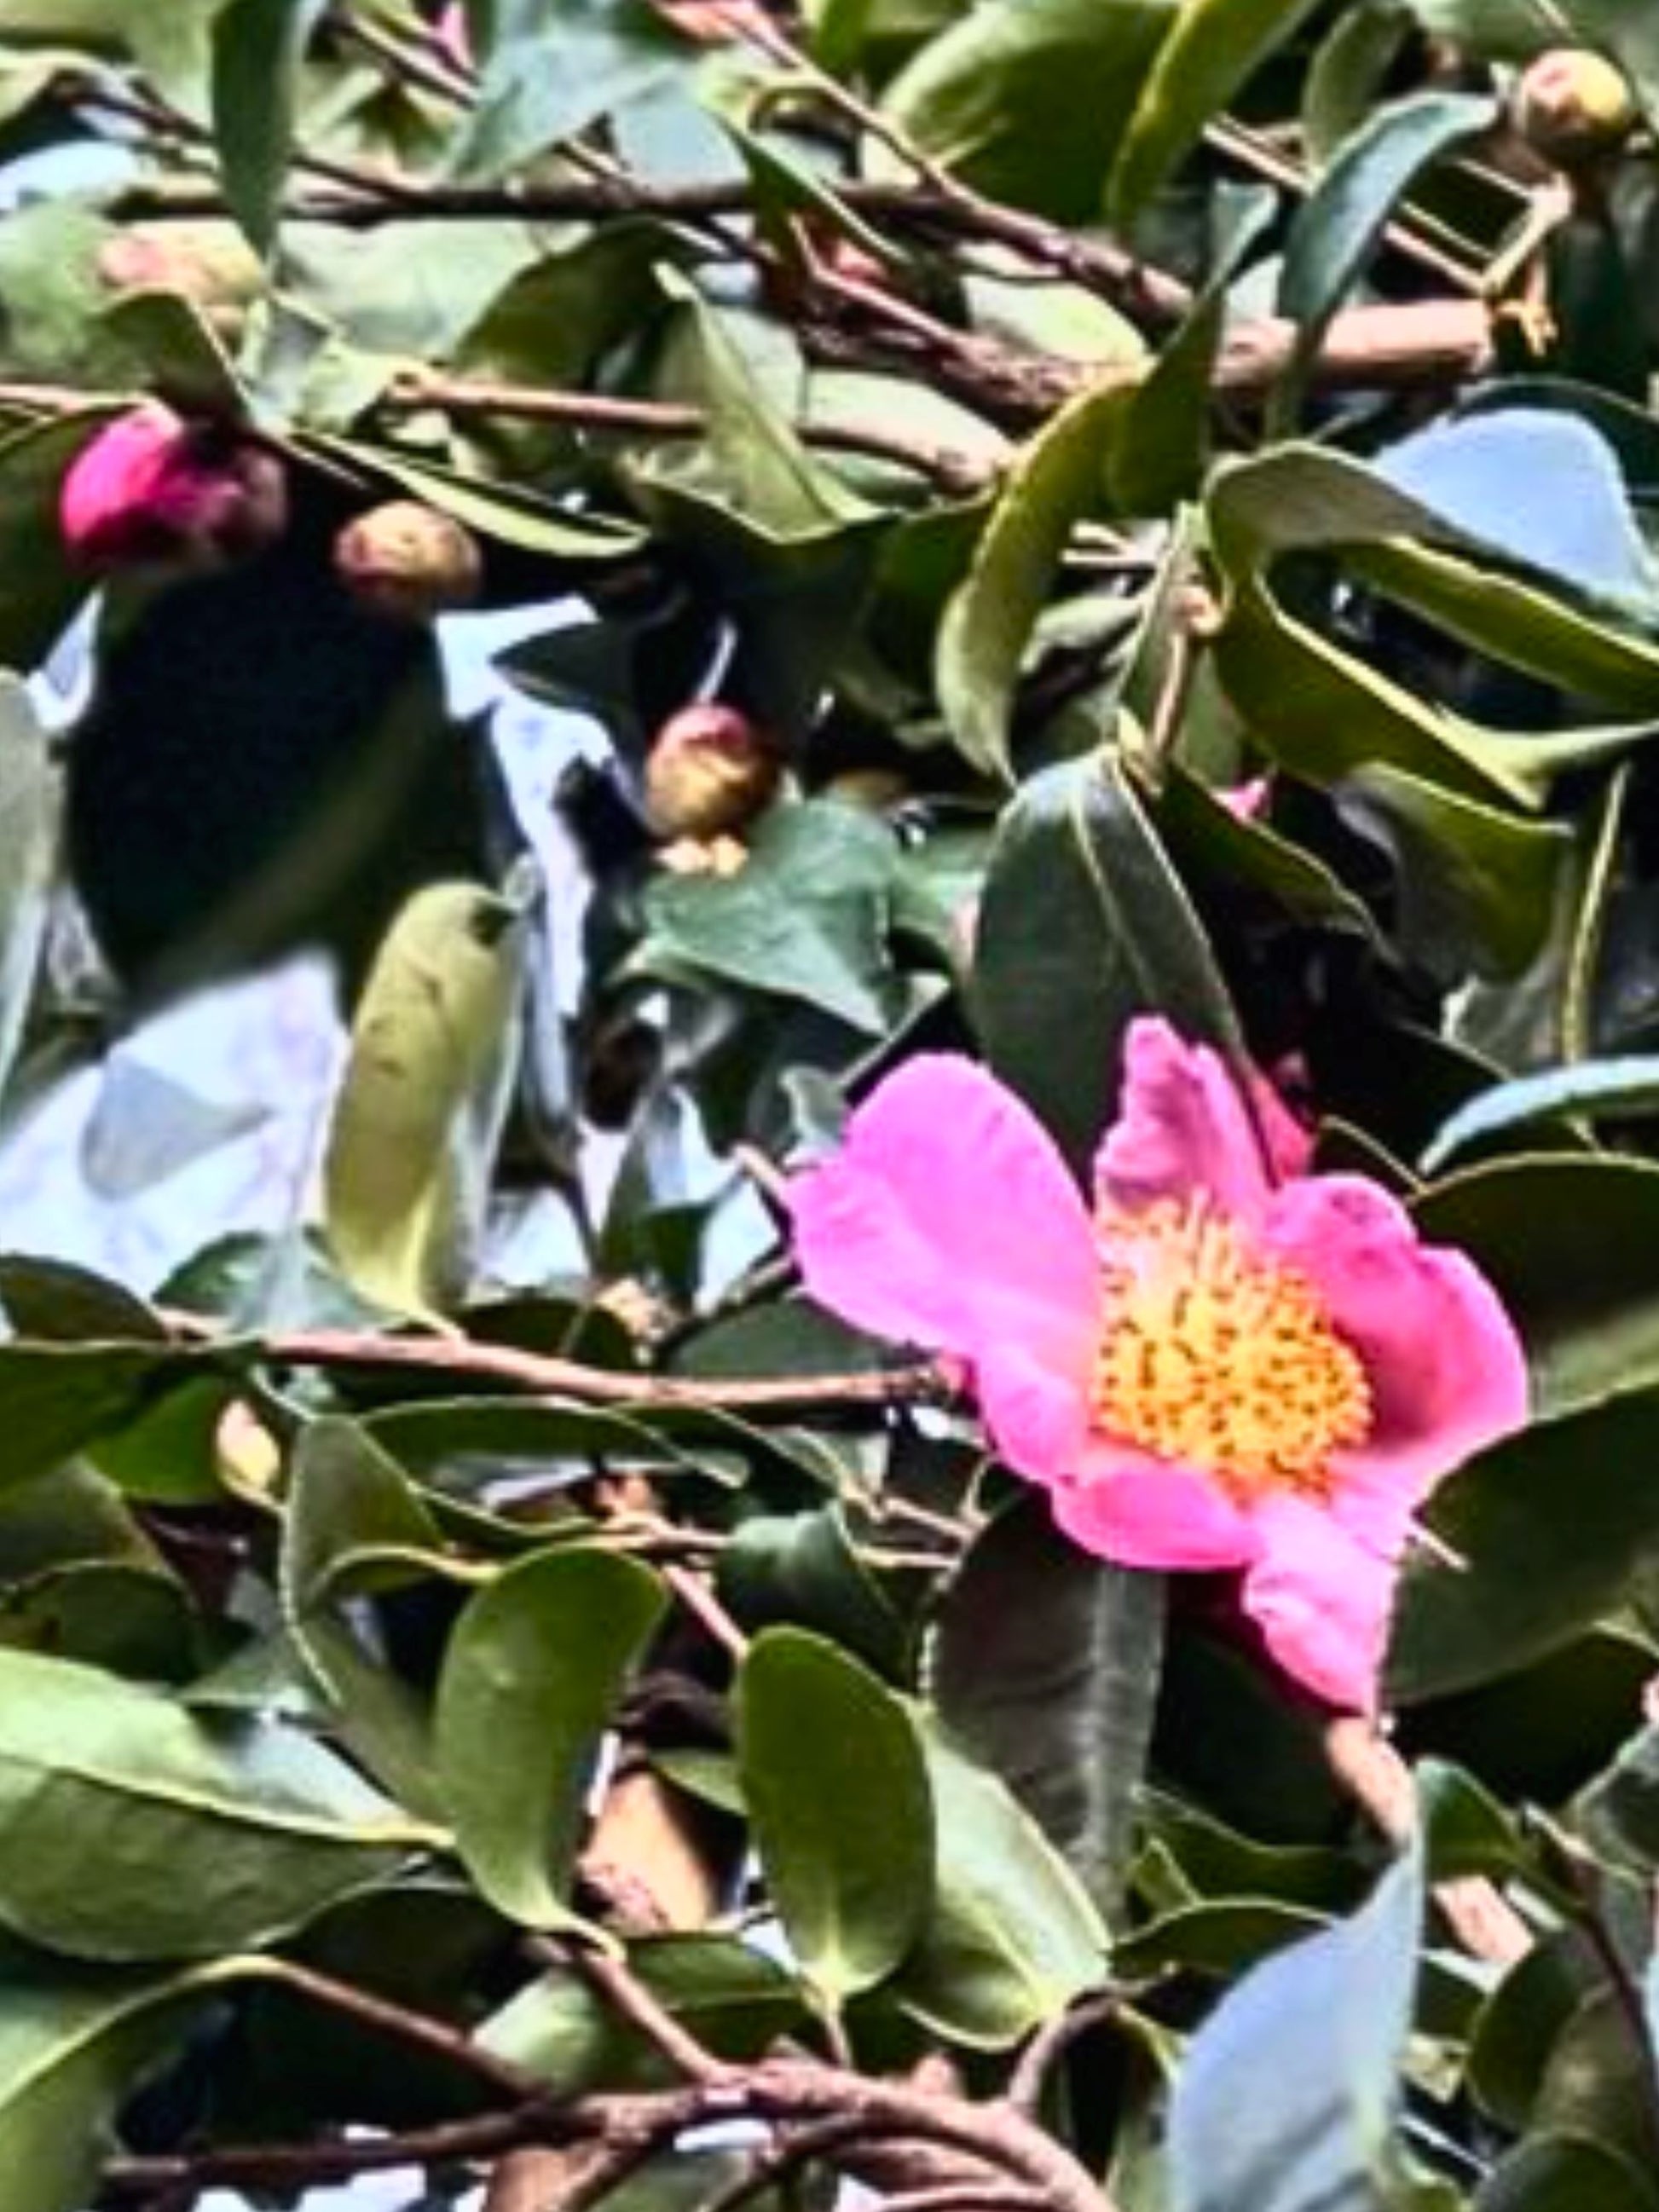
[(1063, 511)]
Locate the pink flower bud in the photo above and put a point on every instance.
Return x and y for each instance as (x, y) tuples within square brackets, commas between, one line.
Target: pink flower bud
[(710, 771), (151, 490)]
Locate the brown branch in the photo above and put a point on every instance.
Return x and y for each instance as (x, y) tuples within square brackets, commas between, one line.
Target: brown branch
[(1048, 2046), (633, 2003), (1373, 1773), (619, 2133), (460, 1359), (953, 472)]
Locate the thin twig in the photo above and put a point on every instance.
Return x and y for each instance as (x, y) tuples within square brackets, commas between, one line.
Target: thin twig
[(695, 1594), (461, 397), (633, 2002), (461, 1359), (1037, 2062), (1373, 1773)]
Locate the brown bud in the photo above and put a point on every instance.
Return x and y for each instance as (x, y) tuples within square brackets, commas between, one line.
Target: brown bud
[(1573, 108), (710, 772), (409, 561)]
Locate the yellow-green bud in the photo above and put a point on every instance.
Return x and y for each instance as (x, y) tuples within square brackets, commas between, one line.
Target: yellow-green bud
[(1573, 108)]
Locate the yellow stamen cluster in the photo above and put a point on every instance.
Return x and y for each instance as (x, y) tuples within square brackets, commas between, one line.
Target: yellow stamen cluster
[(1221, 1358)]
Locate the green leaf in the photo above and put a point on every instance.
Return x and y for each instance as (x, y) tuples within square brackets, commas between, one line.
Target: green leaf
[(1619, 1811), (73, 2049), (39, 590), (1547, 1531), (1085, 924), (805, 917), (1337, 227), (1478, 890), (1572, 1246), (1026, 99), (56, 1398), (1012, 1938), (131, 1829), (1346, 74), (1057, 1697), (1557, 2171), (1162, 442), (29, 854), (1624, 1089), (1319, 709), (506, 513), (609, 53), (257, 48), (416, 1123), (1317, 2125), (1209, 51), (530, 1680), (800, 1568), (54, 1301), (1056, 479), (354, 1525), (732, 1997), (838, 1800)]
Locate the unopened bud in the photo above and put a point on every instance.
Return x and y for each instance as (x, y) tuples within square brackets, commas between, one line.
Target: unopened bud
[(1573, 108), (409, 561), (710, 772), (153, 491)]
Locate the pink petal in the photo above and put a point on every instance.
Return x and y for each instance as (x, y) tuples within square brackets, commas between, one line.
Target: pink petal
[(948, 1220), (1037, 1416), (1182, 1129), (1127, 1505), (1447, 1372), (1322, 1598)]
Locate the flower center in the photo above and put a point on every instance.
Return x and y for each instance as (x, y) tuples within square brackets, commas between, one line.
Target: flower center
[(1215, 1357)]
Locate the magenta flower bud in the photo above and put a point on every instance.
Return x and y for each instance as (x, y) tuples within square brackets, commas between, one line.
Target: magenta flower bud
[(710, 771), (153, 491)]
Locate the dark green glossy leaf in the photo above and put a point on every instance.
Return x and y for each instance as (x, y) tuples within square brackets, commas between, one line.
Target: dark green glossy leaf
[(1624, 1089), (1557, 2171), (54, 1301), (1347, 72), (1551, 1527), (1571, 1245), (257, 47), (1011, 1938), (800, 1568), (805, 917), (1478, 889), (130, 1830), (1337, 227), (1056, 1698), (532, 1674), (1084, 925), (56, 1398), (1057, 479), (837, 1794)]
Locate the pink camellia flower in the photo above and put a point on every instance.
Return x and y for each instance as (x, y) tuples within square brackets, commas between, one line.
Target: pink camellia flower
[(1233, 1362), (150, 488)]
